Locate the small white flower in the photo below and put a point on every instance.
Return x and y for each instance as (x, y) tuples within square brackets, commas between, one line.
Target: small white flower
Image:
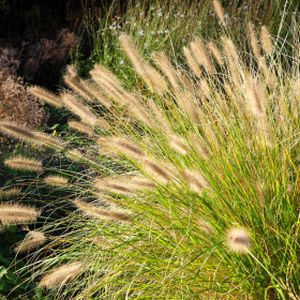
[(141, 33), (121, 61), (159, 14)]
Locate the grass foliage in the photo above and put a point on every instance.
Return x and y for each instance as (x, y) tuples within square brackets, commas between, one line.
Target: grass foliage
[(190, 185)]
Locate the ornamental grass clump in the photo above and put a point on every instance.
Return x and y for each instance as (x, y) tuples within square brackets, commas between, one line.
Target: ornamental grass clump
[(193, 183)]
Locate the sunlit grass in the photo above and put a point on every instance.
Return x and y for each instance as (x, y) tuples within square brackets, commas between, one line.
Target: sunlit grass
[(190, 183)]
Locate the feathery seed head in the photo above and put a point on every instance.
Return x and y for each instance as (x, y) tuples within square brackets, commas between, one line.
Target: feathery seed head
[(205, 88), (150, 76), (32, 240), (116, 184), (30, 136), (96, 93), (253, 41), (126, 185), (178, 144), (23, 163), (215, 53), (201, 55), (80, 109), (44, 139), (255, 96), (17, 131), (200, 147), (17, 214), (204, 226), (71, 71), (74, 155), (61, 275), (195, 180), (78, 87), (156, 170), (219, 11), (101, 213), (81, 127), (232, 58), (114, 90), (56, 180), (9, 193), (163, 62), (266, 40), (46, 96), (238, 240), (120, 146), (192, 63)]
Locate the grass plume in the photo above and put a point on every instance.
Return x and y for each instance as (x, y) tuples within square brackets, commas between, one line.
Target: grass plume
[(32, 240), (17, 214), (219, 11), (46, 96), (61, 275), (182, 193), (266, 40), (100, 213), (7, 193), (238, 240), (23, 163), (56, 180)]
